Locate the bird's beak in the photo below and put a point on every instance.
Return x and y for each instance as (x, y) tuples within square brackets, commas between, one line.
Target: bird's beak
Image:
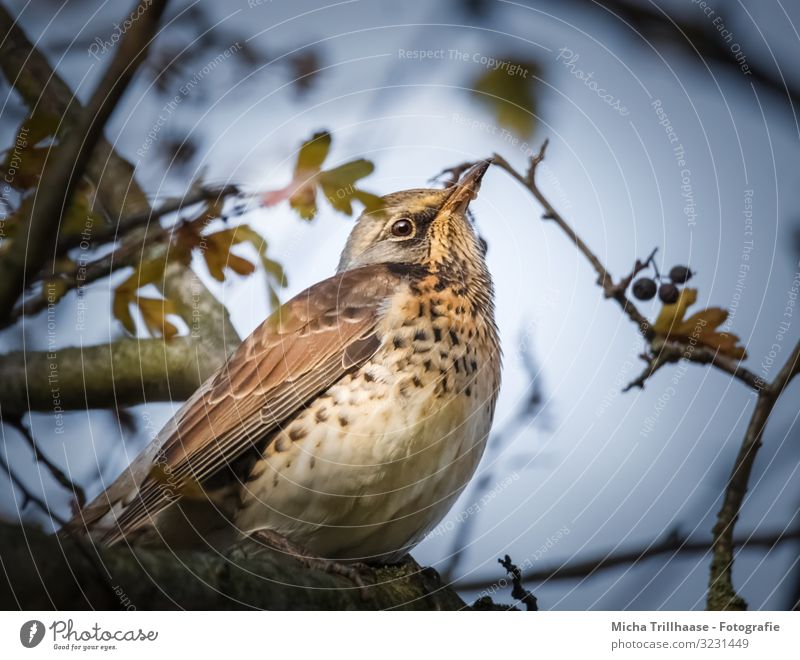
[(466, 189)]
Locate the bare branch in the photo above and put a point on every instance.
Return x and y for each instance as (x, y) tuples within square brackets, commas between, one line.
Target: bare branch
[(667, 351), (672, 544), (671, 351), (604, 278), (721, 593), (55, 471), (518, 592), (27, 495), (654, 363)]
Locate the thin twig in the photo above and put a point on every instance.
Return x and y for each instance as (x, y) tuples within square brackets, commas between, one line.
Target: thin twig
[(55, 471), (604, 279), (451, 175), (128, 253), (119, 231), (672, 544), (673, 350), (654, 362), (28, 496), (518, 592)]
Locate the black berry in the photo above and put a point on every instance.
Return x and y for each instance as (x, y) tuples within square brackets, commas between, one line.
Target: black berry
[(644, 288), (680, 274), (668, 293)]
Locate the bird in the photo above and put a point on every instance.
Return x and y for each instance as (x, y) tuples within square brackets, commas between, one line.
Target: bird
[(348, 423)]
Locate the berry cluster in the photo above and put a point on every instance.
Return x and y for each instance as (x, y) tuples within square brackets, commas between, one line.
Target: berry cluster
[(645, 287)]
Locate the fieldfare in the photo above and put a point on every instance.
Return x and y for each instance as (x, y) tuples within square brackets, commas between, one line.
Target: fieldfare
[(352, 418)]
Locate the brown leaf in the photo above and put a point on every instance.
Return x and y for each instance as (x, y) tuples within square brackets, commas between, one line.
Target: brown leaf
[(154, 313), (699, 328), (153, 310)]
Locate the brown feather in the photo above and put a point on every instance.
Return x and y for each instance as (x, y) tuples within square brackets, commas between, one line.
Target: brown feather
[(306, 346)]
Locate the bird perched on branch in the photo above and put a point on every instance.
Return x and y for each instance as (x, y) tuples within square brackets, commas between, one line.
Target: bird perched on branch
[(352, 418)]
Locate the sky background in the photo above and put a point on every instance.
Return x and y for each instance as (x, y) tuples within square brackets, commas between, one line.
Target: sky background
[(589, 474)]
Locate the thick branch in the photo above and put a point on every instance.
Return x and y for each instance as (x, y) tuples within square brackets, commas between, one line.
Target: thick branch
[(721, 593), (27, 70), (125, 373), (208, 319), (48, 572), (64, 169)]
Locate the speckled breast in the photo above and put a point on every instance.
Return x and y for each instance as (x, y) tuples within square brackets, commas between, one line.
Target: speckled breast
[(377, 460)]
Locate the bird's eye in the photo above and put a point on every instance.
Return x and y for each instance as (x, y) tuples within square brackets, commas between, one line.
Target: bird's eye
[(402, 228)]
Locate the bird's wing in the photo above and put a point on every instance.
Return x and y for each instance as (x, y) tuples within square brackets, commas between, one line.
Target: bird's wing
[(308, 344)]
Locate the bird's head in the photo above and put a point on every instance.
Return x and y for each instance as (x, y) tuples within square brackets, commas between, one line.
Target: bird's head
[(427, 227)]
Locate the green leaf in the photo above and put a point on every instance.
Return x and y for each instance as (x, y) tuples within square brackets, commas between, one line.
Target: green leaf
[(304, 201), (510, 97), (312, 154), (337, 183)]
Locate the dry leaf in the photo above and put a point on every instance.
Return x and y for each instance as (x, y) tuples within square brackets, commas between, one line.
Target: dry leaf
[(153, 310), (337, 184), (700, 327)]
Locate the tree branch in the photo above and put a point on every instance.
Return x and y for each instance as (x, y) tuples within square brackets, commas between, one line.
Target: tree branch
[(57, 473), (41, 88), (28, 496), (50, 572), (604, 279), (125, 373), (721, 593), (64, 169), (672, 350), (144, 370), (672, 544)]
